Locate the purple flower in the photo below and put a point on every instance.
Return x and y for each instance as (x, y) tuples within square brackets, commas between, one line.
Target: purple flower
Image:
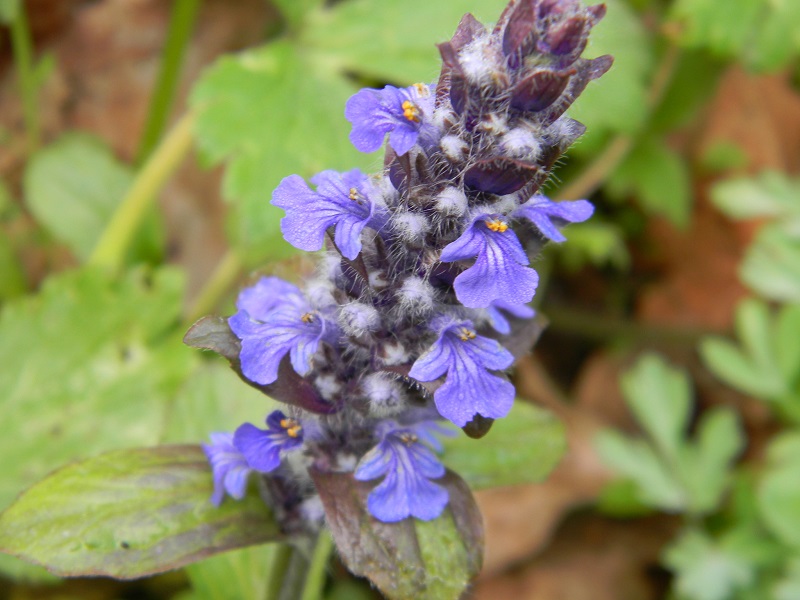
[(402, 113), (466, 358), (498, 320), (283, 322), (408, 466), (541, 211), (341, 199), (500, 271), (262, 448), (229, 467)]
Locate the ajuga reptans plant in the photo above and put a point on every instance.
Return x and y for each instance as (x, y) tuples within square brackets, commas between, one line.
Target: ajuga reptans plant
[(420, 302)]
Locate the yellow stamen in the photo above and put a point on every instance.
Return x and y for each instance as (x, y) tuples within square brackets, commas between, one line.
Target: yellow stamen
[(410, 111), (354, 194), (422, 89), (307, 318), (497, 225), (292, 427), (408, 438), (465, 334)]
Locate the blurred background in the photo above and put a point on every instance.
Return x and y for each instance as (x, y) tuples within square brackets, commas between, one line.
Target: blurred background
[(140, 141)]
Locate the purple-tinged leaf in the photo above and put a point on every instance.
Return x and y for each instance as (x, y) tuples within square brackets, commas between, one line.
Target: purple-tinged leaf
[(568, 38), (410, 559), (500, 175), (539, 90), (519, 37), (214, 333), (130, 513)]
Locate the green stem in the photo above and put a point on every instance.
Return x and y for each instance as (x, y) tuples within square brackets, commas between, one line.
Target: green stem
[(220, 282), (116, 238), (180, 29), (23, 58), (315, 578)]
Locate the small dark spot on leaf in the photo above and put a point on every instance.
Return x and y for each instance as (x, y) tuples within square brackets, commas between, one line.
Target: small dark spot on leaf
[(124, 545)]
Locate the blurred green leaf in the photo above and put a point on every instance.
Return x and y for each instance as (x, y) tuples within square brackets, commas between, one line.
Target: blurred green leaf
[(722, 156), (672, 472), (779, 490), (617, 101), (12, 277), (771, 266), (85, 369), (770, 195), (344, 36), (658, 178), (8, 10), (521, 448), (73, 187), (235, 575), (296, 11), (767, 363), (778, 38), (214, 399), (788, 587), (595, 242), (708, 569), (271, 112), (130, 513)]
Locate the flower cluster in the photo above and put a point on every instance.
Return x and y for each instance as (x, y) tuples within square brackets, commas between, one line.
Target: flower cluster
[(426, 277)]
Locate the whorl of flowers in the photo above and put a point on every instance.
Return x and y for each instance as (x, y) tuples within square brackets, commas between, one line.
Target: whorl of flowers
[(426, 277)]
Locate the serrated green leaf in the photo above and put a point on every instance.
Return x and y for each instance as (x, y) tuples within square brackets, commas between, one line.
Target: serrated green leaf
[(658, 177), (705, 466), (130, 513), (410, 559), (727, 362), (660, 398), (344, 36), (85, 370), (635, 460), (520, 448), (73, 187), (772, 265), (705, 570), (271, 112), (235, 575)]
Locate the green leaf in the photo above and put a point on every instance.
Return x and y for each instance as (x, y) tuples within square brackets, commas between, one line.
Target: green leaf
[(296, 11), (521, 448), (130, 513), (12, 277), (656, 485), (8, 10), (271, 112), (772, 265), (724, 26), (659, 179), (756, 367), (344, 36), (213, 399), (778, 38), (617, 101), (410, 559), (779, 490), (660, 399), (788, 588), (85, 369), (770, 195), (235, 575), (73, 187), (595, 242), (707, 569)]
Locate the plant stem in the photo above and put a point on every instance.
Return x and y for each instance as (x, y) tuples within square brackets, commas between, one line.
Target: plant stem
[(181, 24), (221, 280), (125, 222), (315, 578), (23, 58)]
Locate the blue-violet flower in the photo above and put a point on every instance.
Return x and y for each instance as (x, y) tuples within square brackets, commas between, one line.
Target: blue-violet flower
[(262, 448)]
